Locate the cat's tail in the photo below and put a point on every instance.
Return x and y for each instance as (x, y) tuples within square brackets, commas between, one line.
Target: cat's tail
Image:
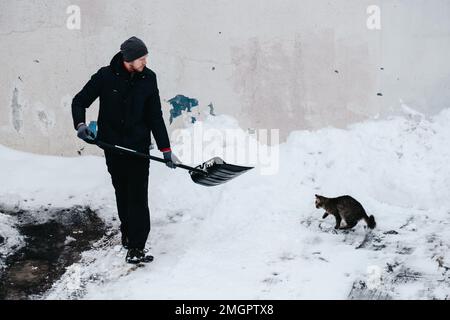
[(370, 221)]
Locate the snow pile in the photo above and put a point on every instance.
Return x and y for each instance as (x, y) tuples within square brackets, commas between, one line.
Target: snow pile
[(10, 238), (260, 236)]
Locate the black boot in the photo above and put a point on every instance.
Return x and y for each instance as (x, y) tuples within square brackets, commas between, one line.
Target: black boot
[(137, 255)]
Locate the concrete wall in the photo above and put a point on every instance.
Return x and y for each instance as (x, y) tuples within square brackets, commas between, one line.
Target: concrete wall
[(288, 64)]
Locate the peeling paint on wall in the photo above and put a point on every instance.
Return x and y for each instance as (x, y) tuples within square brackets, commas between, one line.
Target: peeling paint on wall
[(45, 119), (42, 116), (16, 111), (211, 109), (181, 103)]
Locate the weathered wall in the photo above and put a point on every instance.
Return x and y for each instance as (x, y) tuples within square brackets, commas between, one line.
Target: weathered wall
[(290, 64)]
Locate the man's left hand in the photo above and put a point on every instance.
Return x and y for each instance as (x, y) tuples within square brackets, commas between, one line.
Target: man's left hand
[(171, 159)]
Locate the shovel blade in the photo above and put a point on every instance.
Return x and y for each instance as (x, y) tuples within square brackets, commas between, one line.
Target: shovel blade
[(217, 172)]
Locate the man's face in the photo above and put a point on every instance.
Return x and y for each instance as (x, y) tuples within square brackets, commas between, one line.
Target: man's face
[(139, 64)]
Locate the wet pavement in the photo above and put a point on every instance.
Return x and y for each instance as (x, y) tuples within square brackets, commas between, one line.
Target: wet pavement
[(50, 247)]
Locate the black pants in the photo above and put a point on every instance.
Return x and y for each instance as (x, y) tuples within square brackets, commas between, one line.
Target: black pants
[(129, 175)]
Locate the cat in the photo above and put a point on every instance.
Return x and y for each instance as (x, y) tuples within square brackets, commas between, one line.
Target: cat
[(344, 208)]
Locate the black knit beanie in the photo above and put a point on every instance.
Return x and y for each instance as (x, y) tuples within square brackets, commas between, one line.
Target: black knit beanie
[(133, 49)]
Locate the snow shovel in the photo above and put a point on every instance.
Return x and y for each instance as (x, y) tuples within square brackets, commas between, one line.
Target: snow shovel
[(210, 173)]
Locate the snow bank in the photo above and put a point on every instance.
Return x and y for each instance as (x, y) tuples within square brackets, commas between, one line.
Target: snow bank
[(10, 238)]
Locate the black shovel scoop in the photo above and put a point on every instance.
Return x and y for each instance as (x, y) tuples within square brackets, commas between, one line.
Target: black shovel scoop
[(211, 173)]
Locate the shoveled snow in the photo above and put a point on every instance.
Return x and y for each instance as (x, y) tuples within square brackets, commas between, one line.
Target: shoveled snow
[(260, 236), (11, 240)]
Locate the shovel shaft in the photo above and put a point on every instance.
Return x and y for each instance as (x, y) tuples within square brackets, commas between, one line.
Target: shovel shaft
[(102, 144)]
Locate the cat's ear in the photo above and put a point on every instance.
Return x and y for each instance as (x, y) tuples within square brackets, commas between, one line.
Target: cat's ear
[(317, 196)]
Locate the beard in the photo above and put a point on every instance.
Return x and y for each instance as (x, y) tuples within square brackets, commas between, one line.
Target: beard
[(138, 69)]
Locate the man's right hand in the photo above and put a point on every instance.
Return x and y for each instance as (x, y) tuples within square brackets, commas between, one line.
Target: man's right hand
[(84, 133)]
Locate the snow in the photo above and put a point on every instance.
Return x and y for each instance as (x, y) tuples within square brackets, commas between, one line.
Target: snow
[(69, 239), (10, 236), (260, 236)]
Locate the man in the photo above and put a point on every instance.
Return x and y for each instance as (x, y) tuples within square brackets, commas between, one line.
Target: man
[(130, 109)]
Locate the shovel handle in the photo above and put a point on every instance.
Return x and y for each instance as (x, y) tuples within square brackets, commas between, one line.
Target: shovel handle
[(102, 144)]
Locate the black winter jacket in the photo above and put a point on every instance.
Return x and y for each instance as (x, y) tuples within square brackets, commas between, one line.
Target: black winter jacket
[(130, 107)]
